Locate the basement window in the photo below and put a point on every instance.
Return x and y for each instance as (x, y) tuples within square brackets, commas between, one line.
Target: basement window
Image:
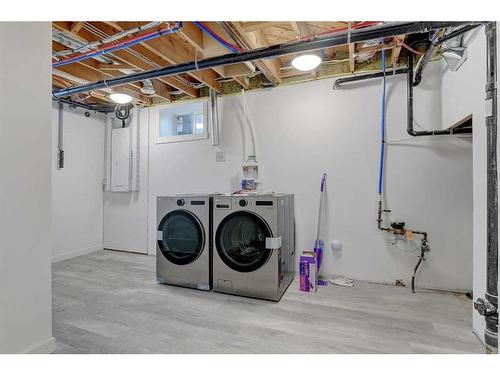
[(181, 122)]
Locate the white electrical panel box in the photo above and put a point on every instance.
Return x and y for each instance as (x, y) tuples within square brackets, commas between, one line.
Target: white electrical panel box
[(122, 152), (120, 159)]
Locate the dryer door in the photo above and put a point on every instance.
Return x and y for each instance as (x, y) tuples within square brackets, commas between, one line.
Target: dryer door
[(241, 241), (181, 237)]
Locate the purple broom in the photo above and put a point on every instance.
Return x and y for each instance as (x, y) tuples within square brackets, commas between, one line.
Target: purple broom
[(318, 245)]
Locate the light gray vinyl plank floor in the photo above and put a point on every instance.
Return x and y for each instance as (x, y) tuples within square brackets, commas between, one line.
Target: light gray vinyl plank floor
[(109, 302)]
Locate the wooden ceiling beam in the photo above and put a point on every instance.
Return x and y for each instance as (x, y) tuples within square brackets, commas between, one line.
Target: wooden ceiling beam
[(84, 74), (352, 61), (396, 51), (128, 59), (192, 34), (270, 68), (243, 82), (300, 28), (377, 47), (106, 67), (163, 91), (76, 27), (172, 53), (174, 81), (260, 25)]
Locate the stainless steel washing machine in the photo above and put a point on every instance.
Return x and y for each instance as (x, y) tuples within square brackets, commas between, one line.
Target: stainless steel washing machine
[(254, 245), (183, 246)]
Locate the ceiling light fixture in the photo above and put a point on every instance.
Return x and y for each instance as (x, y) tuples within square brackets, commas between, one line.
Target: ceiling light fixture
[(120, 98), (305, 63)]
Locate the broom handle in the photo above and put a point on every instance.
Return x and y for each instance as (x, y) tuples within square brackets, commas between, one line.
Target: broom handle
[(320, 211)]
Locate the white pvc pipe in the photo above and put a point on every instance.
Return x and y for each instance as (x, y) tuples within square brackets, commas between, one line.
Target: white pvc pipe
[(249, 122)]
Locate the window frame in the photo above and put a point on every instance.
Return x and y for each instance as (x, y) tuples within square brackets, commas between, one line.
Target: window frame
[(176, 112)]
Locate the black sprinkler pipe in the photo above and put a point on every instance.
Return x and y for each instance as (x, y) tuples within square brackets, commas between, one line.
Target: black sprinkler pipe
[(488, 306), (363, 77), (327, 41), (409, 111), (96, 108)]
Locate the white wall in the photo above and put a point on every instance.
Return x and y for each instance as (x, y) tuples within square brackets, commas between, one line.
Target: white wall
[(77, 192), (306, 129), (25, 143)]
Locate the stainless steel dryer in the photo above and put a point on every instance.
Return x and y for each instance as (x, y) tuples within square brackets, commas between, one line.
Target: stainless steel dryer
[(183, 246), (254, 245)]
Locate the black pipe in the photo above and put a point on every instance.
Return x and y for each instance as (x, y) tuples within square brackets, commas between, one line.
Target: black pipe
[(488, 307), (409, 111), (96, 108), (424, 248), (434, 45), (362, 77), (401, 231), (420, 259), (341, 38), (422, 64)]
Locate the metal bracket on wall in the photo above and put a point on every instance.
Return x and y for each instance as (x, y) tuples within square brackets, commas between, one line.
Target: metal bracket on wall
[(60, 135)]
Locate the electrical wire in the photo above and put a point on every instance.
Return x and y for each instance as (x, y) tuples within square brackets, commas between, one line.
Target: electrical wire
[(403, 44)]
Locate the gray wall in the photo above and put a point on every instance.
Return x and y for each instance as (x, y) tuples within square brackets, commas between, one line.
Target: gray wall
[(25, 143), (77, 193)]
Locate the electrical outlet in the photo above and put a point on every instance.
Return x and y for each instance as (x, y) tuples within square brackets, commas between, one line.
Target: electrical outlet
[(220, 156)]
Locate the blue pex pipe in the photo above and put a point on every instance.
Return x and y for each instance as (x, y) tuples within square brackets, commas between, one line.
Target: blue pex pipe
[(117, 48), (382, 130), (216, 37)]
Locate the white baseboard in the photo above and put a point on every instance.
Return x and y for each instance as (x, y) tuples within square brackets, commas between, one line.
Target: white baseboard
[(76, 253), (45, 347)]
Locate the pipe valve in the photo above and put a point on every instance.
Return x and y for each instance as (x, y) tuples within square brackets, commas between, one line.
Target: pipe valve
[(484, 307)]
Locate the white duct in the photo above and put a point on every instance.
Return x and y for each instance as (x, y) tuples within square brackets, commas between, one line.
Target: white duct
[(214, 118)]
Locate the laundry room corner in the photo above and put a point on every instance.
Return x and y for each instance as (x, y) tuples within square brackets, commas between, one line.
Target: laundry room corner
[(213, 184)]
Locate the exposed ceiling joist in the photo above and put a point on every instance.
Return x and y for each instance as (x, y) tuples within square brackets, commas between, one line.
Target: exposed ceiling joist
[(270, 68), (94, 65), (193, 35), (352, 61), (397, 50), (260, 25), (173, 61), (127, 58), (173, 53), (86, 74)]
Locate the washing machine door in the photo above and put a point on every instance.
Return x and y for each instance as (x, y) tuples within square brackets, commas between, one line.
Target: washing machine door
[(240, 241), (181, 237)]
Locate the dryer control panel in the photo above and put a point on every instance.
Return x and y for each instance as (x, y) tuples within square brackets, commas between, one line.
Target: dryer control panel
[(222, 203)]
